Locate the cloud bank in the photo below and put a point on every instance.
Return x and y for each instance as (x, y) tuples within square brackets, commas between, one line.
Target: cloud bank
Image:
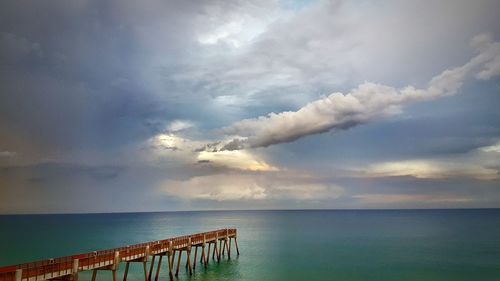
[(252, 187)]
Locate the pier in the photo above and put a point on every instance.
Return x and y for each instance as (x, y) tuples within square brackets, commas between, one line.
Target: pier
[(213, 244)]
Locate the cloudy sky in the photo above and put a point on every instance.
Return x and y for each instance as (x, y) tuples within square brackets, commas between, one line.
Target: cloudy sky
[(258, 104)]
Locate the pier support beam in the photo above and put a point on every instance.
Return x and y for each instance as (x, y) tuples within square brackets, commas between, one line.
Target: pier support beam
[(222, 249), (208, 252), (195, 255), (215, 248), (19, 275), (144, 265), (178, 264), (203, 258), (227, 244), (188, 252), (186, 249), (236, 244), (170, 266), (170, 260), (227, 247), (173, 257), (230, 237), (158, 268), (94, 274), (126, 271), (112, 267), (188, 261), (151, 268), (74, 272)]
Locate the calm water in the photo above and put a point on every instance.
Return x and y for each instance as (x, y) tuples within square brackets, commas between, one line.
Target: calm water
[(284, 245)]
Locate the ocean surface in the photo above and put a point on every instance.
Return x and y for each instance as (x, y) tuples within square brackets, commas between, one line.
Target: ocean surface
[(343, 245)]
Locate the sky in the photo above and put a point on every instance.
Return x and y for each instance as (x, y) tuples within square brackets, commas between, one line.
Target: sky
[(127, 106)]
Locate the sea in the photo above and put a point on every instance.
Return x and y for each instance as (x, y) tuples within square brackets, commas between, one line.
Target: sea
[(339, 245)]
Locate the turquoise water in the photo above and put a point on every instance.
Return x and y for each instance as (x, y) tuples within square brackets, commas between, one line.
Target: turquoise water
[(284, 245)]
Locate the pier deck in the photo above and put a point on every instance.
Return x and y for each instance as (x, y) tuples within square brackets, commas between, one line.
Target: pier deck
[(67, 268)]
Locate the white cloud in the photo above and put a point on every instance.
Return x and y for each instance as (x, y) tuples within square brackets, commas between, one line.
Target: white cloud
[(366, 103), (481, 164), (491, 67), (243, 160), (7, 154), (384, 199), (237, 25), (492, 148), (221, 33), (169, 148), (251, 186), (235, 33), (172, 146), (179, 125), (216, 187), (167, 142), (308, 191), (431, 169)]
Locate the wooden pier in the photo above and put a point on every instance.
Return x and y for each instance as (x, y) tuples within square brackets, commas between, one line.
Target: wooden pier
[(67, 268)]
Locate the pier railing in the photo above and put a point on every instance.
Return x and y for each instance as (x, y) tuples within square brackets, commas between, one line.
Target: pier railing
[(67, 268)]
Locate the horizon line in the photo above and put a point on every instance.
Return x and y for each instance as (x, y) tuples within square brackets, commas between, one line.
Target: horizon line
[(247, 210)]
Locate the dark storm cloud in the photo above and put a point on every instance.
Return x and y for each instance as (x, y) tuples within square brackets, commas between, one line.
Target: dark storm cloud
[(72, 76), (58, 70)]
